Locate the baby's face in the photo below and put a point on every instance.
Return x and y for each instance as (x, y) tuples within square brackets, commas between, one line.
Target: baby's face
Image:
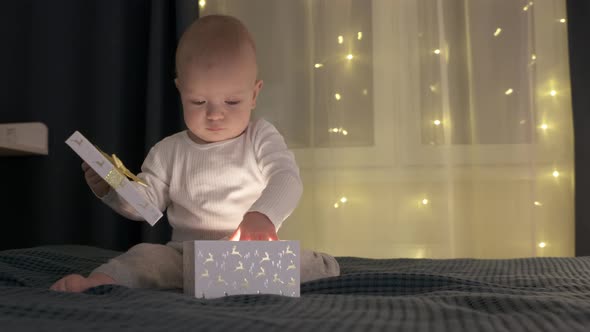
[(217, 98)]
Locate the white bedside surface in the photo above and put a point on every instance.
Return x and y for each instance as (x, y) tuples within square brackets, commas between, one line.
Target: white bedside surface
[(25, 138)]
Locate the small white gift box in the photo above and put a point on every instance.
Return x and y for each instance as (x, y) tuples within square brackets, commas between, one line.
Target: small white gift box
[(219, 268), (114, 175)]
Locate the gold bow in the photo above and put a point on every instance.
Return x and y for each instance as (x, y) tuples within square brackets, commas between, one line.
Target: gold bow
[(121, 168)]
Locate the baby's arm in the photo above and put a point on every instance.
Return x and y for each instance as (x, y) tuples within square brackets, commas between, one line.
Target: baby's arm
[(154, 174), (277, 164)]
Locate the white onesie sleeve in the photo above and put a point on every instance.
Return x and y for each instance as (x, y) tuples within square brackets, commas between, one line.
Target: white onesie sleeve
[(277, 164)]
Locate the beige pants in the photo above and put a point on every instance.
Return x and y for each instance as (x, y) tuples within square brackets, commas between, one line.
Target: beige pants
[(149, 265)]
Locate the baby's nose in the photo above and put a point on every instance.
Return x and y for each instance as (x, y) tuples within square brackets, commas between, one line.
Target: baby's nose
[(214, 113)]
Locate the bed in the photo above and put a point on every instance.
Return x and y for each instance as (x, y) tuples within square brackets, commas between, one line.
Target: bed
[(529, 294)]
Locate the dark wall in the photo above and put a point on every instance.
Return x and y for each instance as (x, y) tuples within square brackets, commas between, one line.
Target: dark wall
[(578, 12)]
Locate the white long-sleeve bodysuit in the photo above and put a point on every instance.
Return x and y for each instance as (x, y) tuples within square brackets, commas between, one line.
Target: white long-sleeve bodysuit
[(207, 188)]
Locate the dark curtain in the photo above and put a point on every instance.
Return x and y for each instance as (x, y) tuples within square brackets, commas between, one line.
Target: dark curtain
[(578, 12), (104, 68)]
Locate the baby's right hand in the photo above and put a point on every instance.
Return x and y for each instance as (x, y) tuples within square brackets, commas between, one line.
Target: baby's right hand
[(98, 185)]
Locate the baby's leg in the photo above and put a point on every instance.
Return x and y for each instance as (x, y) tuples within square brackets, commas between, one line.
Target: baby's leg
[(76, 283), (143, 266), (146, 265), (317, 265)]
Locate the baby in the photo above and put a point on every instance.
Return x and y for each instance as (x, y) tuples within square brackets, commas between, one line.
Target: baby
[(225, 177)]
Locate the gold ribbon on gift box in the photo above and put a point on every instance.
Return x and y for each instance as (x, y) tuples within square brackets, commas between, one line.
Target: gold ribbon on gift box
[(117, 174)]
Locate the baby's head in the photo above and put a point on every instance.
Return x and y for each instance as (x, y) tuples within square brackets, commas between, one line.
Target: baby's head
[(217, 78)]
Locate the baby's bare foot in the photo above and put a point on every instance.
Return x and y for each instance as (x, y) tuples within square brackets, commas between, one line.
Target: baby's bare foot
[(76, 283)]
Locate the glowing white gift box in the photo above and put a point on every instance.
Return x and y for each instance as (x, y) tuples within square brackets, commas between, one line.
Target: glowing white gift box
[(115, 174), (220, 268)]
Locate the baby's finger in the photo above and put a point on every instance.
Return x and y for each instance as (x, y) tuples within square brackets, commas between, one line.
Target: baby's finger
[(235, 236), (90, 179), (92, 175), (246, 236), (95, 178), (90, 171), (85, 166), (58, 286), (259, 236), (89, 175)]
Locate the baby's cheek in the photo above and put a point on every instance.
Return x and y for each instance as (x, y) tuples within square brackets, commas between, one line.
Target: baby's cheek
[(192, 120), (242, 121)]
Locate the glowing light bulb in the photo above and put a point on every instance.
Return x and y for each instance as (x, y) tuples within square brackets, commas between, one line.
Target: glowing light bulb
[(437, 51), (340, 39), (436, 122), (349, 57), (365, 92), (432, 88), (359, 35), (553, 93), (525, 8), (344, 200), (336, 205), (318, 65), (542, 244), (497, 32), (544, 126), (509, 92), (337, 96), (555, 174), (202, 3), (562, 20), (533, 57), (538, 203), (425, 201), (344, 132)]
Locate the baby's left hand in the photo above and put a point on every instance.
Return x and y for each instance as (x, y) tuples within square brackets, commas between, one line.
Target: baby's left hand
[(255, 227)]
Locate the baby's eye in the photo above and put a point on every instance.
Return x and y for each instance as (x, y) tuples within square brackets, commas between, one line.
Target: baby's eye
[(232, 102), (198, 102)]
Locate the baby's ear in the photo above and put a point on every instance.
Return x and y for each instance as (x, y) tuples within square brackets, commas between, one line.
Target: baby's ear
[(257, 87)]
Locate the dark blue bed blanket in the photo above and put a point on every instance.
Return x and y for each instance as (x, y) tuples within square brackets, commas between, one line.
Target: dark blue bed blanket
[(533, 294)]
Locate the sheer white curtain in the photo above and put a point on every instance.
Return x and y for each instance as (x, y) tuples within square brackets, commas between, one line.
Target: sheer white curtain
[(423, 128)]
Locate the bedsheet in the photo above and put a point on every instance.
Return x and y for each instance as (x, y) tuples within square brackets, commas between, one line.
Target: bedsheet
[(529, 294)]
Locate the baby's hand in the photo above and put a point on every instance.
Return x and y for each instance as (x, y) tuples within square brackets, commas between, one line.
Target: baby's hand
[(255, 227), (95, 182)]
